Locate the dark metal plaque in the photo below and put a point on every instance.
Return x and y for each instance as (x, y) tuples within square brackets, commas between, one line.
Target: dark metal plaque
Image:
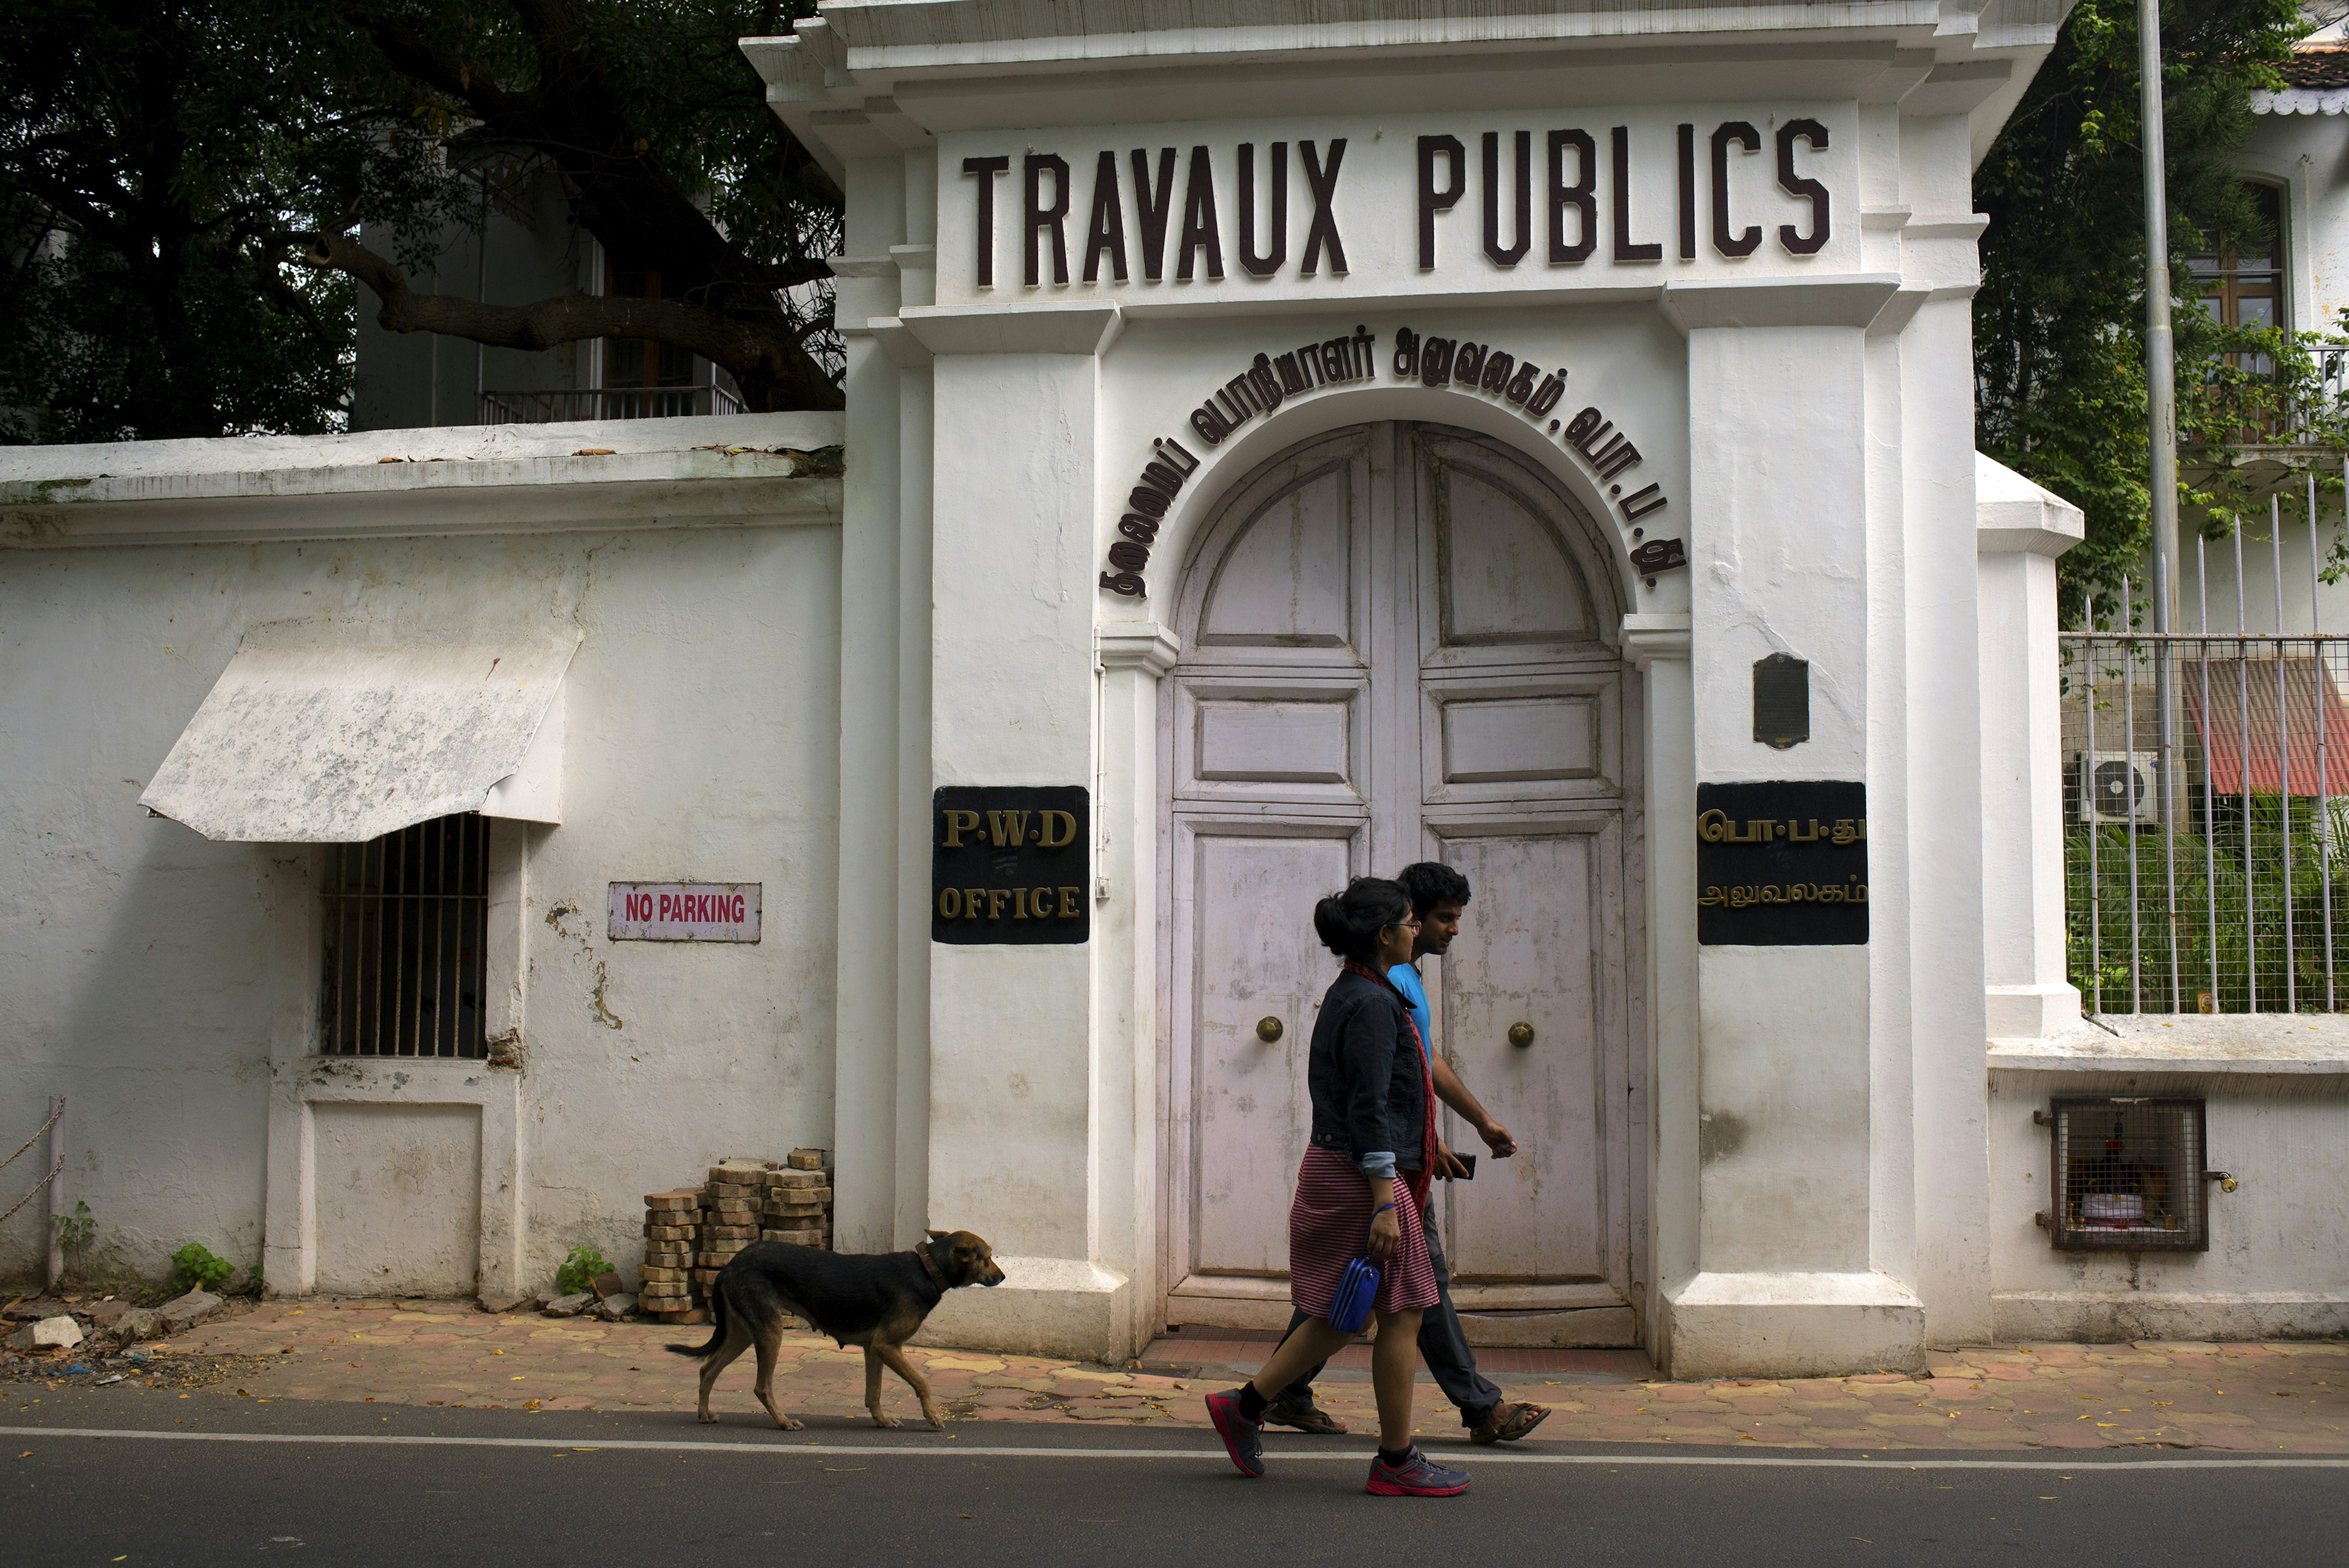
[(1782, 864), (1010, 865), (1782, 702)]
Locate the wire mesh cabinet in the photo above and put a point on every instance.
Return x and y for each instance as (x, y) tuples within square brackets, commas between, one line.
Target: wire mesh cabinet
[(2126, 1173)]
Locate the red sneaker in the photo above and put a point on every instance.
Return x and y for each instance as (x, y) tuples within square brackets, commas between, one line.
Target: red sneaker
[(1242, 1438), (1417, 1476)]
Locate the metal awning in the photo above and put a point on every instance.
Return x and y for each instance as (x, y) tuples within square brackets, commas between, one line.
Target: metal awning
[(322, 733)]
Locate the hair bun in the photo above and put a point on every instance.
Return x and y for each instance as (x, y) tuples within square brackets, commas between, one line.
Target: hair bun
[(1330, 922), (1348, 923)]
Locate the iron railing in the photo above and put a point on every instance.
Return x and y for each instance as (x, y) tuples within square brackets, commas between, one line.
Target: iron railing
[(2206, 795), (606, 403)]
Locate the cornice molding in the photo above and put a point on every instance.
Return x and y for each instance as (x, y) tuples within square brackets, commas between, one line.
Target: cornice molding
[(1137, 645), (1649, 638)]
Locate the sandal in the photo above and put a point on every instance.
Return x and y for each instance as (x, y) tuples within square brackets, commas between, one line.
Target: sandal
[(1506, 1423), (1307, 1417)]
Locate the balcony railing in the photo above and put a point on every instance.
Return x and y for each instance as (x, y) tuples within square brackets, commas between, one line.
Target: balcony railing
[(2282, 408), (606, 403)]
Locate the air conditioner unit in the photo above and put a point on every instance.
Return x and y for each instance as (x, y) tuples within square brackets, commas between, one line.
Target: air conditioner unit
[(2116, 788)]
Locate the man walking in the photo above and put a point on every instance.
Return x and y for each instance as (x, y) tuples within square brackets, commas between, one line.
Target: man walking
[(1439, 895)]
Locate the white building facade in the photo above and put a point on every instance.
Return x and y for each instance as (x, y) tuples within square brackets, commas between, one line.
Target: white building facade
[(1710, 277), (1276, 450)]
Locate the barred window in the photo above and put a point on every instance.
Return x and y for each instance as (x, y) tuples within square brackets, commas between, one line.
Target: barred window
[(406, 916)]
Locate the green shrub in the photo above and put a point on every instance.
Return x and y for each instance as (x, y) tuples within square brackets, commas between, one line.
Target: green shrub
[(196, 1267), (77, 1230), (579, 1270)]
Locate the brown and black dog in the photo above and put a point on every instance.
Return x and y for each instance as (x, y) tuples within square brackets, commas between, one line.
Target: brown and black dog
[(877, 1301)]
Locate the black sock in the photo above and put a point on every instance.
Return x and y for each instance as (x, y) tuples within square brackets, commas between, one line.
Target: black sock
[(1392, 1459), (1252, 1403)]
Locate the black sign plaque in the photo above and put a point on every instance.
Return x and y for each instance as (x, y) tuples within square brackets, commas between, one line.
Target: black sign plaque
[(1010, 866), (1782, 702), (1782, 864)]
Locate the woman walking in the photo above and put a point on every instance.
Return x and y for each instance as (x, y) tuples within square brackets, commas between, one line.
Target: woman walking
[(1358, 1190)]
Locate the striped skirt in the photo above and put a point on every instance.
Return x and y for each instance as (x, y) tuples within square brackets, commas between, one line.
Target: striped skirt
[(1330, 1227)]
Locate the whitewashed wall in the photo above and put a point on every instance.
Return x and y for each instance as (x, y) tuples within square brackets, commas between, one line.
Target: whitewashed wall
[(167, 984), (2277, 1094)]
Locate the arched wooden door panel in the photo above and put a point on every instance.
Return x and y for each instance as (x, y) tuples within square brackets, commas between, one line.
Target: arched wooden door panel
[(1397, 647)]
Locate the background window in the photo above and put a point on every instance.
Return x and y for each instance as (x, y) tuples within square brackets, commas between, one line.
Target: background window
[(2242, 282), (640, 361), (405, 918)]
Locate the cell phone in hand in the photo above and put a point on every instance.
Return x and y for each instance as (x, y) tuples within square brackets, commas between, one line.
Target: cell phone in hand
[(1469, 1162)]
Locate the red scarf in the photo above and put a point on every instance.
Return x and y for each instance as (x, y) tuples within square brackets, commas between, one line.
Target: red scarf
[(1416, 1182)]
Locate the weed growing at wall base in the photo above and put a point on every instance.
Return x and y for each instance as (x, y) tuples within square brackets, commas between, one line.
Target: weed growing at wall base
[(77, 1230), (198, 1268), (579, 1270)]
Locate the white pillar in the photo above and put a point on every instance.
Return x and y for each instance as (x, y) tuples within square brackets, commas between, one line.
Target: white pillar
[(1133, 656), (1786, 1281), (1940, 1133), (1031, 1077), (1658, 646), (865, 1117), (2019, 531)]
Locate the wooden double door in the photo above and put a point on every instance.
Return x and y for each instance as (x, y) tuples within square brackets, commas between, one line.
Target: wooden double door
[(1400, 645)]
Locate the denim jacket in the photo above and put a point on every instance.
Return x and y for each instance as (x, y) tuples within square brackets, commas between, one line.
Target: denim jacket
[(1369, 1097)]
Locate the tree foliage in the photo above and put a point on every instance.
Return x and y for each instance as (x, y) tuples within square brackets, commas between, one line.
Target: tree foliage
[(149, 153), (183, 185), (661, 134), (2059, 323)]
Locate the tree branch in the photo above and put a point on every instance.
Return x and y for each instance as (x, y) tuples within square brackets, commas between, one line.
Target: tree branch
[(770, 367)]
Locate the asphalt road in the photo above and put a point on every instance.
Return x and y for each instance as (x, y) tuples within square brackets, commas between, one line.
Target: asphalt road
[(211, 1480)]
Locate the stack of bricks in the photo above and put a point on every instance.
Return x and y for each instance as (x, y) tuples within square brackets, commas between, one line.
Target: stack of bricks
[(667, 1293), (730, 1215), (798, 1201)]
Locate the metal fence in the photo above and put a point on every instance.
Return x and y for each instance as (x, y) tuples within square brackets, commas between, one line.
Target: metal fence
[(606, 403), (2204, 784)]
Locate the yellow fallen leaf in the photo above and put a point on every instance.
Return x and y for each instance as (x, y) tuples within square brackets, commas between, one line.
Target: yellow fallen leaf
[(594, 452)]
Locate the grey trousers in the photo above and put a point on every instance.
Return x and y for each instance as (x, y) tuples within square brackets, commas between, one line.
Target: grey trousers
[(1443, 1345)]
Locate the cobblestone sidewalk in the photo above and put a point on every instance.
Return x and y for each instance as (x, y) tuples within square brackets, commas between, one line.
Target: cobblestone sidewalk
[(2289, 1399)]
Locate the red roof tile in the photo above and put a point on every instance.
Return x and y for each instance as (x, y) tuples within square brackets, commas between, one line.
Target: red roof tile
[(2221, 726), (2317, 66)]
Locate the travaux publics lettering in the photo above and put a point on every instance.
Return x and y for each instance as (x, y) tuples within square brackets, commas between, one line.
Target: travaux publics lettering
[(1115, 246)]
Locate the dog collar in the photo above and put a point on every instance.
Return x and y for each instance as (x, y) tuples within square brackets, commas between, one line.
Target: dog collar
[(930, 1268)]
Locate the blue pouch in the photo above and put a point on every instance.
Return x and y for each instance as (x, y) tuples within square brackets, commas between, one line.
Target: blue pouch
[(1357, 1287)]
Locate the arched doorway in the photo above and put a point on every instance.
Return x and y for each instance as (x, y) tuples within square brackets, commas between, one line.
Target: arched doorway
[(1400, 645)]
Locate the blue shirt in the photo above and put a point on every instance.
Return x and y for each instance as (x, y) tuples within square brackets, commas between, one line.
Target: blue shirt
[(1414, 995)]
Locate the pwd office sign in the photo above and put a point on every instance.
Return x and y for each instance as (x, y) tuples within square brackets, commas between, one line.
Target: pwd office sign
[(684, 912), (1010, 865)]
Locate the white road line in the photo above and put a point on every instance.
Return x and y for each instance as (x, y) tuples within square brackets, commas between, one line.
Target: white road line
[(2078, 1464)]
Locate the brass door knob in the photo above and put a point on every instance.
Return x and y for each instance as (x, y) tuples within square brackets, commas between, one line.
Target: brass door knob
[(1521, 1036), (1267, 1029)]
